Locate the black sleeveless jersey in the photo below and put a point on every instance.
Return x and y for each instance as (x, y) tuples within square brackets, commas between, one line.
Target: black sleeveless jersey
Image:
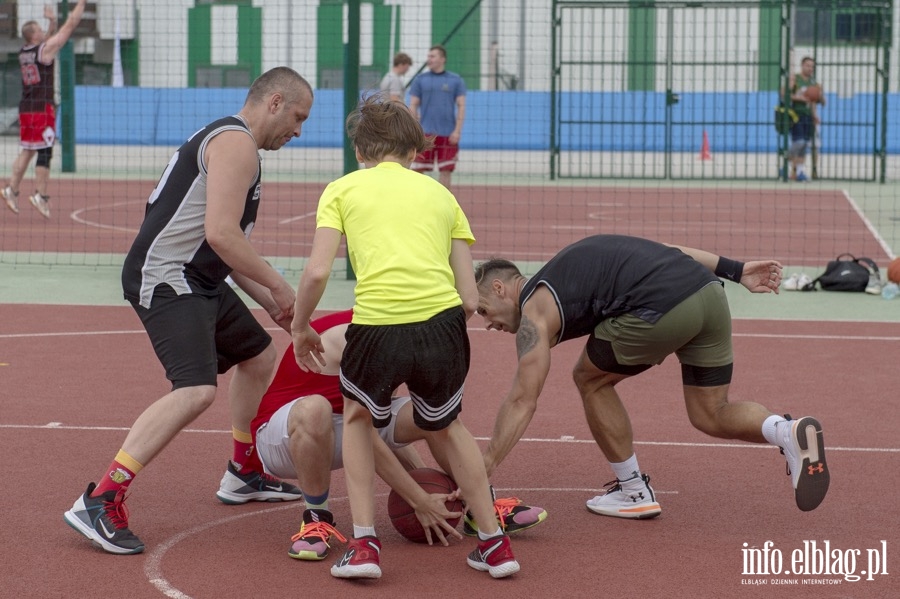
[(171, 245), (608, 275), (37, 79)]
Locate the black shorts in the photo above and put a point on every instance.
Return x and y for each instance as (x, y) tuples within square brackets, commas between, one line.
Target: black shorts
[(431, 357), (197, 338)]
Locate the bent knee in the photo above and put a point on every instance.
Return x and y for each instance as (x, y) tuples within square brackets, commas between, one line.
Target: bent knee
[(262, 363), (704, 407), (310, 414), (199, 398)]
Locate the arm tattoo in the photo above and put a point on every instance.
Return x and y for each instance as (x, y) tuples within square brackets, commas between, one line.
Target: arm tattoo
[(526, 337)]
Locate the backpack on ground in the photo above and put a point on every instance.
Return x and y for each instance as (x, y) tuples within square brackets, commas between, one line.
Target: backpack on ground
[(845, 273)]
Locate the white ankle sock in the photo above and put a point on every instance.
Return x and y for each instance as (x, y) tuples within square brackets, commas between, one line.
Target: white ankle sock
[(363, 531), (769, 428), (627, 469), (484, 537)]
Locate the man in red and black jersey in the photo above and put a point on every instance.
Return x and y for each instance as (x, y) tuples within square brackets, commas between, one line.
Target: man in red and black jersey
[(37, 113)]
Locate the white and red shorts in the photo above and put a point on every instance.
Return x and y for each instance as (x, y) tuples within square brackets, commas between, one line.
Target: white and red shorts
[(37, 130), (443, 151)]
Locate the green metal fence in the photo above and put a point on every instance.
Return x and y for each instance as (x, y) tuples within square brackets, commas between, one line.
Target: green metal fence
[(676, 90)]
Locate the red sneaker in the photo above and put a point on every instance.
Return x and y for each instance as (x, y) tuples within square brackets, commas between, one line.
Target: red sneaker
[(495, 556), (360, 560)]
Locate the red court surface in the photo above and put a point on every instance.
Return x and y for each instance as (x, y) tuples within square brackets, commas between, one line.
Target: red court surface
[(793, 225), (74, 378)]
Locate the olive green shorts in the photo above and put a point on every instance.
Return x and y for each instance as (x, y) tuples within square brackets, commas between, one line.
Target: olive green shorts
[(698, 331)]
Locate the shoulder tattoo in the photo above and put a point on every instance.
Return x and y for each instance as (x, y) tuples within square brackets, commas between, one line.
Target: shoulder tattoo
[(526, 337)]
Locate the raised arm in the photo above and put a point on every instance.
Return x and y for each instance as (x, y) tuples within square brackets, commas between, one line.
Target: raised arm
[(50, 15), (55, 42)]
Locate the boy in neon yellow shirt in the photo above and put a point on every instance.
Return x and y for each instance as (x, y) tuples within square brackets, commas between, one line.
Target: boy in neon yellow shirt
[(408, 241)]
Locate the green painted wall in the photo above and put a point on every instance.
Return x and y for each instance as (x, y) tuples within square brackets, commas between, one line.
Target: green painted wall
[(199, 40), (641, 47), (464, 48), (249, 42), (249, 50), (330, 43), (770, 49)]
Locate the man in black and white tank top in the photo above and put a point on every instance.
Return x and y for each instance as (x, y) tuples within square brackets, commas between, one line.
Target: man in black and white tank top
[(195, 233)]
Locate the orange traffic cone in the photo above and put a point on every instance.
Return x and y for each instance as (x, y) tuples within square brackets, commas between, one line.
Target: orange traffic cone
[(704, 149)]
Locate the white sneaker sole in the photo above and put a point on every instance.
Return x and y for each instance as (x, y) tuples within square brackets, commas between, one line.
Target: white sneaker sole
[(75, 522), (812, 481), (644, 511), (363, 571), (232, 498), (40, 205)]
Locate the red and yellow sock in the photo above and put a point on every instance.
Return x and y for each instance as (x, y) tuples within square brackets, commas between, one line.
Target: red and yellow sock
[(243, 448), (119, 474)]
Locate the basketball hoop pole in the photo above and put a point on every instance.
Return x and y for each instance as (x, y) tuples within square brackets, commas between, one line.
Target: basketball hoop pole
[(351, 92), (67, 97)]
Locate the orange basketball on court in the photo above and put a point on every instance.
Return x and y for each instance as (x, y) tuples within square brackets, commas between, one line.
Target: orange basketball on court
[(893, 271), (813, 93), (403, 516)]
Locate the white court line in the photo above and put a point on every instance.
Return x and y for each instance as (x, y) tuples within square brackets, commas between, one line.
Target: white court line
[(75, 215), (73, 334), (288, 221), (153, 566), (57, 426), (862, 215), (483, 330)]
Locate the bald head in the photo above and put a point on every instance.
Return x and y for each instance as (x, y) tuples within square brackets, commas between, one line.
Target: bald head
[(282, 80)]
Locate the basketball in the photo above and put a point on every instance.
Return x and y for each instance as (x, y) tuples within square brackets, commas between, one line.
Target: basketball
[(403, 516), (813, 93), (893, 271)]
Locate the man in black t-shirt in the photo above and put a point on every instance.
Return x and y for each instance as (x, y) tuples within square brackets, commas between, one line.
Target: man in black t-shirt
[(637, 301)]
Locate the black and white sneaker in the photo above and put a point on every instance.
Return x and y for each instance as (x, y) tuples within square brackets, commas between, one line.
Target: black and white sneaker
[(237, 488), (104, 520)]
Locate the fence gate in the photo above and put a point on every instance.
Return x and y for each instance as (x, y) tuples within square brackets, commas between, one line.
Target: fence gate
[(687, 90)]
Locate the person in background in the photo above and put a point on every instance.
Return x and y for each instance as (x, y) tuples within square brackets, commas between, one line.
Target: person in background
[(37, 111), (392, 83), (437, 98), (803, 132)]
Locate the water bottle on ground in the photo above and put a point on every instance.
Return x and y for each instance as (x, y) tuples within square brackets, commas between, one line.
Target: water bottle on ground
[(890, 291)]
